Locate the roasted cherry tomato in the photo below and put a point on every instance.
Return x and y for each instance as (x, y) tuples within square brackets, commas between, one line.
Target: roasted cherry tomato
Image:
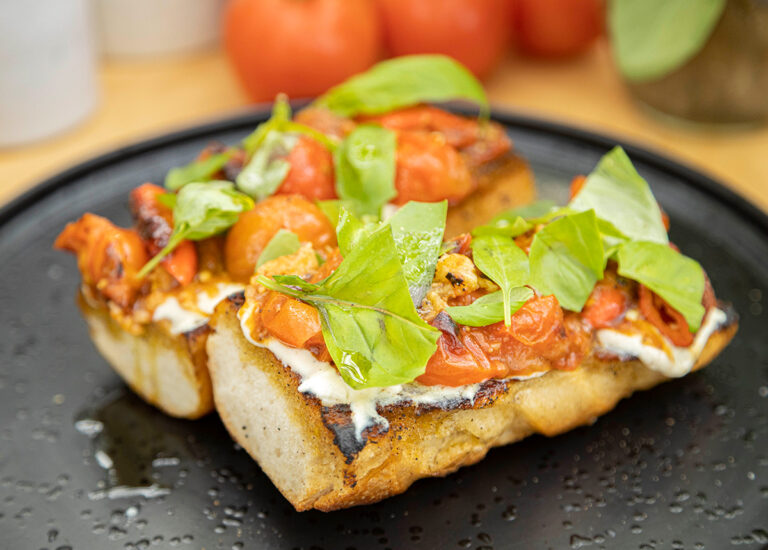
[(478, 141), (154, 223), (537, 321), (299, 47), (556, 28), (606, 305), (311, 172), (473, 31), (255, 228), (429, 170), (291, 321), (109, 257), (459, 360), (664, 317)]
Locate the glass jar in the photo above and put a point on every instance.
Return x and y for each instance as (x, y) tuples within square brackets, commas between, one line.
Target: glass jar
[(727, 81)]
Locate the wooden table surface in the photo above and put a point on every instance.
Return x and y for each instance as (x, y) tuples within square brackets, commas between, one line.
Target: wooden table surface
[(145, 98)]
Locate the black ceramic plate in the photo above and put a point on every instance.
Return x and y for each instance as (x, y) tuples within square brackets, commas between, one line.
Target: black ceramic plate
[(682, 466)]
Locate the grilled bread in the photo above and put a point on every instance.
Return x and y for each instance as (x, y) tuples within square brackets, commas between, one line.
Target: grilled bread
[(313, 456), (169, 370)]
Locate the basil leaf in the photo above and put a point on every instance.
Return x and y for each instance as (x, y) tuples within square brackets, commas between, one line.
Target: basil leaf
[(502, 226), (201, 211), (295, 281), (365, 169), (370, 324), (418, 229), (268, 167), (198, 170), (652, 38), (534, 210), (617, 194), (402, 82), (489, 309), (676, 278), (284, 243), (350, 230), (504, 262), (567, 259), (332, 209)]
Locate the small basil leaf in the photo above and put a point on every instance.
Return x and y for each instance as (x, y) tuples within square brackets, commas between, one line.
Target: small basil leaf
[(508, 227), (281, 113), (504, 262), (370, 325), (418, 229), (617, 194), (489, 309), (284, 243), (350, 230), (198, 170), (201, 211), (567, 259), (267, 169), (679, 280), (652, 38), (402, 82), (534, 210), (291, 281), (365, 169), (331, 209)]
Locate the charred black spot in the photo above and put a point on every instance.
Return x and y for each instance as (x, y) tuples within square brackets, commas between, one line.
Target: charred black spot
[(197, 332), (454, 280), (444, 323), (237, 299), (338, 419)]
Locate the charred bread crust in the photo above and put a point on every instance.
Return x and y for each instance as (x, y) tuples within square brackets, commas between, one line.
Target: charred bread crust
[(312, 456), (170, 372), (502, 183)]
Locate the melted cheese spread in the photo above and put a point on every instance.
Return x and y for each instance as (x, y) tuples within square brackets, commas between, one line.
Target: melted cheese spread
[(184, 320), (323, 381), (673, 361)]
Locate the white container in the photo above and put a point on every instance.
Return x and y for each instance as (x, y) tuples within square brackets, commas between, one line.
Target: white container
[(133, 28), (47, 68)]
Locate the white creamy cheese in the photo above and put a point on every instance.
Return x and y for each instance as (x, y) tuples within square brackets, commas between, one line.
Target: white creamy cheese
[(678, 362), (184, 320), (322, 380)]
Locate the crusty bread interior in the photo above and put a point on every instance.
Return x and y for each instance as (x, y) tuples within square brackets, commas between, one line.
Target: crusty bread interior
[(167, 371)]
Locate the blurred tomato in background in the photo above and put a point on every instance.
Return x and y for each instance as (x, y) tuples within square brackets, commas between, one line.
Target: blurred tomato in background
[(300, 47), (473, 31), (556, 28)]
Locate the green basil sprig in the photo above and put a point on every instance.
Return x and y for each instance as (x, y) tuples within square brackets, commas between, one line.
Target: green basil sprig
[(198, 170), (365, 169), (504, 263), (267, 169), (489, 309), (370, 325), (567, 259), (201, 210), (617, 194), (652, 38), (284, 243), (417, 229), (402, 82), (674, 277)]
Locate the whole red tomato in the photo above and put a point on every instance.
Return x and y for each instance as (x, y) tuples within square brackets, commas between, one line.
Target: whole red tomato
[(556, 28), (473, 31), (299, 47)]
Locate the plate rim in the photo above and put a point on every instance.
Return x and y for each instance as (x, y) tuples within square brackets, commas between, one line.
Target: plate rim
[(509, 117)]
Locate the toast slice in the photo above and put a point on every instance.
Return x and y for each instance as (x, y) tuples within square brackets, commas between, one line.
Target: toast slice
[(170, 370), (312, 454)]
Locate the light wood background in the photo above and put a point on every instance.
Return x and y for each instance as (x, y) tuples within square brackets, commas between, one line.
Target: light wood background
[(144, 98)]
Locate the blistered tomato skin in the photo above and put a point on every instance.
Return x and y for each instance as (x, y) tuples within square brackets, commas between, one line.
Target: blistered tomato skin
[(109, 257), (664, 317), (311, 172), (429, 170), (255, 228), (606, 305), (289, 320)]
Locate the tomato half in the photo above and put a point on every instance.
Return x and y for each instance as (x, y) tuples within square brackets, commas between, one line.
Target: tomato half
[(311, 172), (605, 305), (255, 228), (299, 47), (664, 317)]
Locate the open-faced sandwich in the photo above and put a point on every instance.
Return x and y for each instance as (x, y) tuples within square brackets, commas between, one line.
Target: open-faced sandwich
[(350, 372), (369, 145)]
